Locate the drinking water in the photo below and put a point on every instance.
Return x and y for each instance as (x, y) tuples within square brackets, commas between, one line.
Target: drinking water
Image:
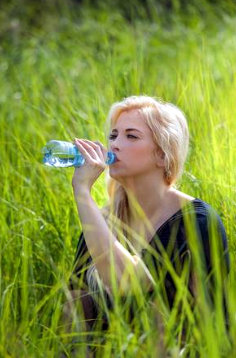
[(63, 154)]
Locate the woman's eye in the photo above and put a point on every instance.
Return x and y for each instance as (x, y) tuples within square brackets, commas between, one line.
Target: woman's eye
[(112, 136)]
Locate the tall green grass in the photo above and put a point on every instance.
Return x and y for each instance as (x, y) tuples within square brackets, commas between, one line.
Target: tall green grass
[(57, 81)]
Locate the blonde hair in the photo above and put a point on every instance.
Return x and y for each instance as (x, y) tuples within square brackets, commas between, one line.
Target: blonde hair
[(170, 133)]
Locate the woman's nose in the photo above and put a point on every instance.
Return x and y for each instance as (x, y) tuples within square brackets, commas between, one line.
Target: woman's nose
[(115, 145)]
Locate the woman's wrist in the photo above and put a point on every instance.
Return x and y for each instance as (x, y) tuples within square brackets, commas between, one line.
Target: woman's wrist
[(82, 194)]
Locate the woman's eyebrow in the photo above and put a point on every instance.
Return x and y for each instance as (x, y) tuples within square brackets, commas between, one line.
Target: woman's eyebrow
[(127, 130)]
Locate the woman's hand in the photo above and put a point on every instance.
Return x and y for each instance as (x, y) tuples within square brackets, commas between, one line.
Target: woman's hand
[(84, 177)]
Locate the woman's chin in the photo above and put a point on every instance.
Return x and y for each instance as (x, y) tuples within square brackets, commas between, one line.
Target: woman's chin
[(115, 174)]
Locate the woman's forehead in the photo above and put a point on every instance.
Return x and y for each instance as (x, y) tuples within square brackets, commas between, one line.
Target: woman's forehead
[(130, 118)]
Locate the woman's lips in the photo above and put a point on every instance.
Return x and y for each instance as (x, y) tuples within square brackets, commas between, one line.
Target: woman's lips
[(117, 159)]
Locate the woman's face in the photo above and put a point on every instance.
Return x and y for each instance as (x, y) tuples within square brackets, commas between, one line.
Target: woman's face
[(132, 142)]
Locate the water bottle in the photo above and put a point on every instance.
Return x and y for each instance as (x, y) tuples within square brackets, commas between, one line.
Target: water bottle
[(58, 153)]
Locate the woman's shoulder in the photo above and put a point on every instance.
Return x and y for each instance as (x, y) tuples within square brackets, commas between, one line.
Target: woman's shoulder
[(204, 209), (195, 207), (204, 213), (207, 220), (200, 207), (194, 211), (187, 204)]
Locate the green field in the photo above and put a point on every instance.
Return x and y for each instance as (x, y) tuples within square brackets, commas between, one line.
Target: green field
[(59, 76)]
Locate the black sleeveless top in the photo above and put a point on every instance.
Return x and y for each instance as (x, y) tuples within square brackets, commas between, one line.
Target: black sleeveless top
[(173, 238)]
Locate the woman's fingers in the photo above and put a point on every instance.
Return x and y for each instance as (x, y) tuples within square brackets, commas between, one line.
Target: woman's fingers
[(94, 166), (96, 145), (91, 150), (88, 152), (103, 149)]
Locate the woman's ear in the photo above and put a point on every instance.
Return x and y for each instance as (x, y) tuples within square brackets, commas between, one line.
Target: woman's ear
[(159, 157)]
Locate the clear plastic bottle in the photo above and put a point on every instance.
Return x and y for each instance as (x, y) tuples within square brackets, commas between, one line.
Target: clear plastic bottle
[(58, 153)]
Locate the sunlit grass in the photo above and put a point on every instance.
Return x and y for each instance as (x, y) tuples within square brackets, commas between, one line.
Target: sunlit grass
[(58, 82)]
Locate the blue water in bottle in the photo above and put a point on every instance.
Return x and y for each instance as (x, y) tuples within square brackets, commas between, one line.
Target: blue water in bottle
[(63, 154)]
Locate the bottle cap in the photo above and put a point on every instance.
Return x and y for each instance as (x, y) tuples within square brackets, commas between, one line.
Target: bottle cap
[(111, 158)]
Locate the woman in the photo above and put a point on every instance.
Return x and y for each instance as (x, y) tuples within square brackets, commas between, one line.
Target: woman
[(150, 140)]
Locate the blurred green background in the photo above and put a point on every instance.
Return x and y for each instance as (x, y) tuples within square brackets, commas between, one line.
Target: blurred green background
[(62, 65)]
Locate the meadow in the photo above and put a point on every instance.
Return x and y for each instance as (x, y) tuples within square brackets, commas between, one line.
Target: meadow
[(58, 80)]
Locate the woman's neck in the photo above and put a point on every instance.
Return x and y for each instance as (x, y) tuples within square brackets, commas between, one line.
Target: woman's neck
[(147, 199), (156, 204)]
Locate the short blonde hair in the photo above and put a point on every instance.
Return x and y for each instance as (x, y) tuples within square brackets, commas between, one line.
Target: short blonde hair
[(169, 128)]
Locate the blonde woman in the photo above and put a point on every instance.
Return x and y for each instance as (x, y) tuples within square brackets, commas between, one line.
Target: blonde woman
[(150, 139)]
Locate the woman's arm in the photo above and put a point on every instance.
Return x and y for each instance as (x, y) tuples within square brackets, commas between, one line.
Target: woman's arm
[(102, 244)]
